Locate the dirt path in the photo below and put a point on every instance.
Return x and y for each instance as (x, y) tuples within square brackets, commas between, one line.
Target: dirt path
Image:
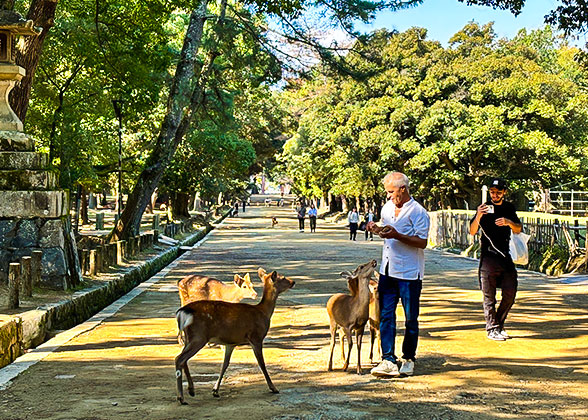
[(124, 367)]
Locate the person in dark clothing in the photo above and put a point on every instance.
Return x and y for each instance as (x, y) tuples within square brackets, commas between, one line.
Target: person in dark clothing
[(244, 202), (496, 218), (301, 213)]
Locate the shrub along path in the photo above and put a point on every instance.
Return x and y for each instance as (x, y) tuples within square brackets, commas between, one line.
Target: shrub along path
[(124, 368)]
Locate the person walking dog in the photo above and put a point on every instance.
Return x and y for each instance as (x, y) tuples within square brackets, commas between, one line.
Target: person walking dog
[(405, 231), (496, 219)]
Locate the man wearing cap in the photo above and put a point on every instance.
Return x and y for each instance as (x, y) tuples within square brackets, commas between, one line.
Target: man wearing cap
[(496, 218)]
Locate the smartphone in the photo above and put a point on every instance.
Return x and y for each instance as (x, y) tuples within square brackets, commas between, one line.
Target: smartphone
[(490, 208)]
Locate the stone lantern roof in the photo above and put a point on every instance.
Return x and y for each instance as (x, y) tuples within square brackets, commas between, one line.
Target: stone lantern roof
[(16, 24)]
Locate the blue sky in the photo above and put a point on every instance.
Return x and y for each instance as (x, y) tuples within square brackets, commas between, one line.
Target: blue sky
[(443, 18)]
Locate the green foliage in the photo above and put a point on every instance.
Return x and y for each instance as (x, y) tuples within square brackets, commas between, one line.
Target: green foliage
[(448, 117)]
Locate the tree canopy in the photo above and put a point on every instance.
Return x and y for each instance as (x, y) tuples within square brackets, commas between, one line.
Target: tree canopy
[(448, 117)]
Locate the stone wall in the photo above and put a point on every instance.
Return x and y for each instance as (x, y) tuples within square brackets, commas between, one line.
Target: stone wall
[(20, 237)]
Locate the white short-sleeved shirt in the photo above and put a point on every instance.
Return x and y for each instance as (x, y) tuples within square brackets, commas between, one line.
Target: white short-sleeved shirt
[(405, 262)]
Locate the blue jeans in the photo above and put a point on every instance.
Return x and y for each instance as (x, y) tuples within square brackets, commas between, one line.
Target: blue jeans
[(409, 291)]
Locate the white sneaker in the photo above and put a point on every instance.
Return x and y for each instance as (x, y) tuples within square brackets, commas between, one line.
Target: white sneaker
[(503, 333), (495, 335), (407, 368), (386, 368)]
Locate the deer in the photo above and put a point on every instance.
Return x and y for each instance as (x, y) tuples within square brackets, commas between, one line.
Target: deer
[(229, 324), (350, 313), (195, 287)]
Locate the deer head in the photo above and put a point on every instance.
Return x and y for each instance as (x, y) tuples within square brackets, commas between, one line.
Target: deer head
[(244, 283)]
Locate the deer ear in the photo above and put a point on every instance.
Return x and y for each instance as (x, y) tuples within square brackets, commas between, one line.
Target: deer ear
[(238, 280), (246, 278), (345, 274), (261, 273), (274, 276), (377, 276)]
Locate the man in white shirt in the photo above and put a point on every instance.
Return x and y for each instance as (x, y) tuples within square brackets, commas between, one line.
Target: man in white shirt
[(405, 230)]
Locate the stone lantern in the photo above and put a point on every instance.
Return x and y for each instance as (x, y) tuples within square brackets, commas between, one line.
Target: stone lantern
[(11, 25), (34, 214)]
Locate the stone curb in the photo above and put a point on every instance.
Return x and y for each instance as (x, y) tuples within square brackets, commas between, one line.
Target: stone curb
[(32, 328)]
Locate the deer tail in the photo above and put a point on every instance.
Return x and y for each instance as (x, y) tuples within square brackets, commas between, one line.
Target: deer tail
[(185, 318)]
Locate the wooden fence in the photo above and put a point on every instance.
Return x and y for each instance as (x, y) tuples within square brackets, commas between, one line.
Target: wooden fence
[(450, 229)]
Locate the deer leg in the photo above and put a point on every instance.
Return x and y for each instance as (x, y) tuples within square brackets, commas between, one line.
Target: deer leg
[(258, 351), (228, 353), (190, 381), (333, 334), (372, 340), (191, 348), (350, 346), (342, 343), (358, 339)]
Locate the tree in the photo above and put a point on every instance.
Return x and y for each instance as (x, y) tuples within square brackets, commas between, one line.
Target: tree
[(448, 117)]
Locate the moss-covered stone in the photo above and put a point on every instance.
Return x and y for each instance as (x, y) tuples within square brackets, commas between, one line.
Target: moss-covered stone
[(24, 179), (23, 160), (10, 341)]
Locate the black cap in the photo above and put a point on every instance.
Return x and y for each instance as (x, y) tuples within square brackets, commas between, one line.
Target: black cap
[(497, 183)]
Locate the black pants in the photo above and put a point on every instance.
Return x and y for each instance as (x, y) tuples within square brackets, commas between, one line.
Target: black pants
[(312, 220), (352, 231), (370, 233), (497, 272), (301, 223)]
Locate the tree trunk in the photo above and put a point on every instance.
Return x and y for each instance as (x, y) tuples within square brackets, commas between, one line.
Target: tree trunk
[(84, 208), (165, 145), (42, 13), (179, 203), (344, 206)]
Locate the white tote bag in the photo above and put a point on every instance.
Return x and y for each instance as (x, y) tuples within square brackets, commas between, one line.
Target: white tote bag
[(519, 251)]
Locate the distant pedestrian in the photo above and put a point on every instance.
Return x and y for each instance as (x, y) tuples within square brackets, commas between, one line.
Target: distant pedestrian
[(369, 217), (236, 211), (497, 219), (353, 218), (244, 203), (301, 214), (312, 213)]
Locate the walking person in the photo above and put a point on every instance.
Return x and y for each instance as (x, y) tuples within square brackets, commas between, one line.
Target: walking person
[(244, 203), (405, 229), (496, 219), (369, 217), (353, 219), (312, 213), (301, 213), (236, 210)]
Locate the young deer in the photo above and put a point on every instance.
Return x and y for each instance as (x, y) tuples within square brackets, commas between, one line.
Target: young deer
[(229, 324), (374, 317), (192, 288), (351, 312)]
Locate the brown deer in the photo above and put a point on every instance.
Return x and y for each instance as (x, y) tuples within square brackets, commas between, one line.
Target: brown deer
[(351, 312), (229, 324), (195, 287), (374, 311)]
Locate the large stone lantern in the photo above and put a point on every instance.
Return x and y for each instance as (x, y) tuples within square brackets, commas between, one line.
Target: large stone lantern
[(34, 215)]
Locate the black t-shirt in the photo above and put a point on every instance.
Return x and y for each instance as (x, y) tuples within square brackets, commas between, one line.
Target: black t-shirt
[(499, 235)]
